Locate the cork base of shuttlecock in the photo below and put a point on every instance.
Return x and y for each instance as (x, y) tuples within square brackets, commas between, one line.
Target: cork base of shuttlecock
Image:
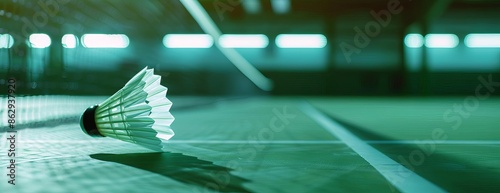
[(87, 122)]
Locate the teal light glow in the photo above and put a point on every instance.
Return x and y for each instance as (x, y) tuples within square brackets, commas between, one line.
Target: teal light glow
[(105, 41), (301, 41), (441, 40), (252, 6), (188, 41), (39, 40), (281, 6), (69, 41), (414, 40), (6, 41), (244, 41), (482, 40)]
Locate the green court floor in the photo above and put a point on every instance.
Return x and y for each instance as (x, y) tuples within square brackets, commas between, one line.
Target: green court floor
[(270, 144)]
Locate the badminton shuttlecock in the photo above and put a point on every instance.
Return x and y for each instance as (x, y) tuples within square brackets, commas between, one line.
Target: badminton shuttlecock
[(137, 113)]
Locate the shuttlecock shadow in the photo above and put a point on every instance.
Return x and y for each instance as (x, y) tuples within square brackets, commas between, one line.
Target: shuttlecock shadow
[(182, 168)]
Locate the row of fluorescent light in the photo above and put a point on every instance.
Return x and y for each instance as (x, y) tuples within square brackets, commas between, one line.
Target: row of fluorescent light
[(249, 41), (71, 41), (452, 41), (244, 41), (177, 41)]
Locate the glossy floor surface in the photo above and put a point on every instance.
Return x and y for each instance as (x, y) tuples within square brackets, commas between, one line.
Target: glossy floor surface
[(265, 144)]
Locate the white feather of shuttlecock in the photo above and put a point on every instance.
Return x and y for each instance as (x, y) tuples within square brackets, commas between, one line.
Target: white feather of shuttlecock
[(138, 113)]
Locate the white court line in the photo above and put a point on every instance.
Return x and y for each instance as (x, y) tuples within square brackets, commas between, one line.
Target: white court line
[(292, 142), (446, 142), (305, 142), (38, 159), (267, 142), (399, 176)]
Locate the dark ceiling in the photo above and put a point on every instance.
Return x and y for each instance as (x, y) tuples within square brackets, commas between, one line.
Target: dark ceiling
[(158, 17)]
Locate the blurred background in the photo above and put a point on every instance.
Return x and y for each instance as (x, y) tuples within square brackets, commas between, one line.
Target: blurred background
[(313, 47), (429, 63)]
